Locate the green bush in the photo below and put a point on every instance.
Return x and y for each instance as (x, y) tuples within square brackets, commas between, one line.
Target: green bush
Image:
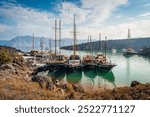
[(5, 56)]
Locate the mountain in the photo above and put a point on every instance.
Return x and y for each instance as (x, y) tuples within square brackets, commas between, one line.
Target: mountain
[(135, 43), (24, 43)]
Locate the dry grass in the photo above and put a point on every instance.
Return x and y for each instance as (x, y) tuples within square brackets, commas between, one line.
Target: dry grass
[(20, 89)]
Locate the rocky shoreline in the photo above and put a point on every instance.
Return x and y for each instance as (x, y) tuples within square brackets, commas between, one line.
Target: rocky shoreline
[(18, 81)]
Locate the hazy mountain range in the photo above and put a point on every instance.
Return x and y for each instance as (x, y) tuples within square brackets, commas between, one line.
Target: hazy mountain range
[(24, 43)]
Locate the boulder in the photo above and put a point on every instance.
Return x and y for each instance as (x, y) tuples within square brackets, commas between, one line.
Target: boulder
[(44, 82), (135, 83)]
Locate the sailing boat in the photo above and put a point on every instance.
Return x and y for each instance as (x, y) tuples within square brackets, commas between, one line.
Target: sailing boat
[(89, 60), (74, 60), (102, 61), (129, 50)]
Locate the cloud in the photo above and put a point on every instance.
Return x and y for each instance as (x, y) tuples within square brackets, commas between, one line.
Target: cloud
[(138, 29), (91, 19), (144, 15), (26, 20), (100, 10)]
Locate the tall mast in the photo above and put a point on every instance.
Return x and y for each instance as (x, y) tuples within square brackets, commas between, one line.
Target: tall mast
[(59, 36), (100, 48), (74, 36), (90, 45), (41, 44), (105, 46), (129, 36), (49, 44), (55, 36), (33, 42)]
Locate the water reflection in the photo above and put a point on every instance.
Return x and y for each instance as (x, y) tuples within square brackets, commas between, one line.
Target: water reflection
[(90, 73), (74, 76), (108, 76), (94, 76), (57, 74)]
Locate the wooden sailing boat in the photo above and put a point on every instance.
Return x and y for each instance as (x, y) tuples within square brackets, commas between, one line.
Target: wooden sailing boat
[(102, 61), (74, 60), (129, 50), (56, 58), (89, 60)]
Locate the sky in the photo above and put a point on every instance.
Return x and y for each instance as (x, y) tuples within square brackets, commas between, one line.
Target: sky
[(111, 18)]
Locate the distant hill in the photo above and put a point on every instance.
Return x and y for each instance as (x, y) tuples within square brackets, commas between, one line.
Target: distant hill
[(24, 43), (135, 43)]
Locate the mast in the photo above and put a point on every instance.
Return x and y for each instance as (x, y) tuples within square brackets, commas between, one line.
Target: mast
[(49, 45), (74, 36), (33, 42), (87, 47), (105, 47), (55, 36), (41, 44), (90, 45), (59, 36), (129, 36), (100, 48)]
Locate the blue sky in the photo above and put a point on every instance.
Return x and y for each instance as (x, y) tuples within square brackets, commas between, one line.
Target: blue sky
[(112, 18)]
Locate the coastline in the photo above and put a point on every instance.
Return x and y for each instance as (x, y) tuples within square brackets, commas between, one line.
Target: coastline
[(20, 85)]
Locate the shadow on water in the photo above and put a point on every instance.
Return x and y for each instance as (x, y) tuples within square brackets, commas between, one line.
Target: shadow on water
[(90, 74), (109, 76), (57, 74), (74, 76), (128, 55)]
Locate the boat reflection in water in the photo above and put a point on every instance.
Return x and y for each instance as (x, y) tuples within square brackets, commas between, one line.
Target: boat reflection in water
[(57, 74), (94, 77), (74, 76), (106, 77)]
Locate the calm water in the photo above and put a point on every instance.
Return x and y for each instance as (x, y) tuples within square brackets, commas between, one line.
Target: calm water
[(127, 69)]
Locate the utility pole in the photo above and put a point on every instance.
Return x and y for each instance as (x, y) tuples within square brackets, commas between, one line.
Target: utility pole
[(33, 42), (59, 36)]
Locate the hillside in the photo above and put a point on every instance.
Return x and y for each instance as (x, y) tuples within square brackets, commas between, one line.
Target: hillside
[(24, 43), (118, 44)]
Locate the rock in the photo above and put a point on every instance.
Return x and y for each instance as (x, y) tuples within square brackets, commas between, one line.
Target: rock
[(78, 88), (135, 83), (44, 82), (6, 66)]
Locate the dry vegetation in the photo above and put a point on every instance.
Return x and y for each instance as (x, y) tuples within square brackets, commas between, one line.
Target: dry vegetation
[(19, 89)]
